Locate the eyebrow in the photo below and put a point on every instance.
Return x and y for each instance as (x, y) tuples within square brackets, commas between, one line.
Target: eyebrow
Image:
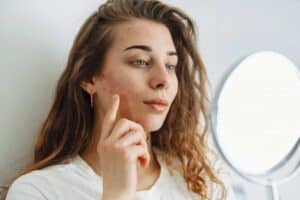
[(148, 49)]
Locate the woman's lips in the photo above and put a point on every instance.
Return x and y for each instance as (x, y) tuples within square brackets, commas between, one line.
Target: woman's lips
[(158, 105)]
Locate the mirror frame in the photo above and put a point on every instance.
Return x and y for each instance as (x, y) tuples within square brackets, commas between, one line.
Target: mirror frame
[(261, 178)]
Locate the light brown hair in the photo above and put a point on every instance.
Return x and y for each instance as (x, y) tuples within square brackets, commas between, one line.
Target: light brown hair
[(67, 129)]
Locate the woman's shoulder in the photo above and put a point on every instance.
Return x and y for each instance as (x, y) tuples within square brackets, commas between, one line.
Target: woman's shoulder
[(47, 173), (44, 182), (33, 185), (177, 181)]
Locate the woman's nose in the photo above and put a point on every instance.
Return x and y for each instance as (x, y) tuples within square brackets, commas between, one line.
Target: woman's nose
[(160, 77)]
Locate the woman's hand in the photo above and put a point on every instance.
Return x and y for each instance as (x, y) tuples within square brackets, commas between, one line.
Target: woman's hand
[(122, 143)]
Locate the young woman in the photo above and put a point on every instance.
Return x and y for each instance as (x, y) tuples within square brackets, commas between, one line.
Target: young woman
[(130, 114)]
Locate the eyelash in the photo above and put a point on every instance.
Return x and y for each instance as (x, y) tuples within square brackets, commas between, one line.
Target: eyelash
[(147, 63)]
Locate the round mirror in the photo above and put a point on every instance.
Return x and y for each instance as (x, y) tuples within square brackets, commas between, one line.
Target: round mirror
[(255, 118)]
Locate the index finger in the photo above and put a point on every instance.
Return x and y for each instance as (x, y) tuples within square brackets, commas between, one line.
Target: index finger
[(110, 117)]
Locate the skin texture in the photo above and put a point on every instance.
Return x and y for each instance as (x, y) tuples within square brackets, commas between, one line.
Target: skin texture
[(120, 151)]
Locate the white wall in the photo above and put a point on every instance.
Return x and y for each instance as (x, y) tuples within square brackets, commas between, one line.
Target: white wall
[(35, 38)]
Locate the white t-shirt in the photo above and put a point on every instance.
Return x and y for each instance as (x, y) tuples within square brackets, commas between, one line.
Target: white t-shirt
[(77, 180)]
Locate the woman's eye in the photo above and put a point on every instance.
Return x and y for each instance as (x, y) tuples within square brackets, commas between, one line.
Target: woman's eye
[(140, 62), (144, 62), (171, 67)]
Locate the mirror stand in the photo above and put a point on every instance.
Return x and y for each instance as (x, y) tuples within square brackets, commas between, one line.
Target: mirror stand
[(273, 191)]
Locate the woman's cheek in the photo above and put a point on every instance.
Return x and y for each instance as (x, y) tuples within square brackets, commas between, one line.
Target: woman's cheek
[(108, 86), (175, 90), (124, 94), (123, 108)]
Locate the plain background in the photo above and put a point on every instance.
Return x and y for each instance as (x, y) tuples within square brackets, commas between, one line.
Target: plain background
[(36, 36)]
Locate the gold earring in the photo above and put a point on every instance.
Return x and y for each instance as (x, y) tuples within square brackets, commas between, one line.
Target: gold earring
[(92, 95), (92, 92)]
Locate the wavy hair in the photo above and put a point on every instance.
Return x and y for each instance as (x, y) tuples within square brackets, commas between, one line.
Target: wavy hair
[(67, 129)]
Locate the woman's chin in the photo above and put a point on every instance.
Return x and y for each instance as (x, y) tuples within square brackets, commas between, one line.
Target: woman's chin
[(151, 125)]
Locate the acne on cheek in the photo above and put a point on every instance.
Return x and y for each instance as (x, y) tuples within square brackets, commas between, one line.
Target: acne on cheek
[(106, 85), (125, 92), (112, 87), (125, 95)]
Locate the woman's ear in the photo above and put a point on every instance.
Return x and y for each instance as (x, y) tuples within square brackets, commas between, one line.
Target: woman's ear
[(88, 87)]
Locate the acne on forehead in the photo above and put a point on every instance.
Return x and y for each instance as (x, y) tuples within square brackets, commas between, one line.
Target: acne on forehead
[(139, 31)]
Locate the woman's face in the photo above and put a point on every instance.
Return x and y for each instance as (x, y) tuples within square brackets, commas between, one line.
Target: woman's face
[(139, 66)]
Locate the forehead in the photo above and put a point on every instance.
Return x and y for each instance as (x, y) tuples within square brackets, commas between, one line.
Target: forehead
[(142, 32)]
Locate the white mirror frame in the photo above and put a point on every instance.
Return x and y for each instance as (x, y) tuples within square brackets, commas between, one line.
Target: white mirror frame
[(261, 179)]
